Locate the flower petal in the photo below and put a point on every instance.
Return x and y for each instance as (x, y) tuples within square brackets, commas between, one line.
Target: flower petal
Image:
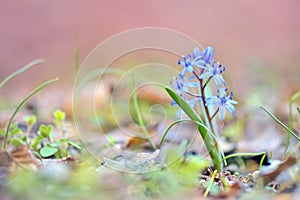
[(208, 54), (214, 101), (183, 72), (233, 102), (222, 92), (193, 84), (205, 75), (196, 52), (190, 68), (230, 107), (200, 64), (222, 113)]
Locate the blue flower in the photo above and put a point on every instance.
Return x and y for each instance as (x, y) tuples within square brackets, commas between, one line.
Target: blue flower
[(207, 54), (222, 102), (182, 86), (189, 61), (179, 84), (215, 71), (205, 57)]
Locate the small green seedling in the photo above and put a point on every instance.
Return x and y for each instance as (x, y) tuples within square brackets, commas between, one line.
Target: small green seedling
[(45, 131), (30, 120)]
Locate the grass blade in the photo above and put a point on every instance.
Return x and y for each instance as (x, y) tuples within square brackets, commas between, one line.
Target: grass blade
[(139, 116), (249, 154), (211, 182), (295, 97), (280, 123), (21, 70), (40, 87)]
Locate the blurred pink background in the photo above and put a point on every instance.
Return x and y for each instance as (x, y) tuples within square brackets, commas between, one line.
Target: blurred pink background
[(244, 34)]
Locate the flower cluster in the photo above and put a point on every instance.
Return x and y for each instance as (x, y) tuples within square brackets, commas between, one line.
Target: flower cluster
[(203, 68)]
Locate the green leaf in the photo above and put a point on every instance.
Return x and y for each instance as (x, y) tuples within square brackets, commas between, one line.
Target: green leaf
[(55, 144), (48, 151), (37, 155), (17, 142), (30, 120), (209, 140), (111, 140), (52, 136), (298, 109), (73, 144), (59, 116), (36, 142), (16, 131), (2, 132), (280, 123), (45, 131), (184, 105)]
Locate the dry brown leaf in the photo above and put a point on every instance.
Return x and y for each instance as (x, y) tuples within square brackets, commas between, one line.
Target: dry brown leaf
[(284, 165), (23, 157), (17, 157), (231, 193), (6, 163), (135, 141)]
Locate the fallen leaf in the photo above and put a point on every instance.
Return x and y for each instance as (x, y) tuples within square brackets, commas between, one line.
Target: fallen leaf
[(231, 193), (271, 173), (135, 141), (6, 163), (23, 157)]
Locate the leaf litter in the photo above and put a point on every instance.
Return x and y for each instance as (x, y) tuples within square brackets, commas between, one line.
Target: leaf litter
[(131, 169)]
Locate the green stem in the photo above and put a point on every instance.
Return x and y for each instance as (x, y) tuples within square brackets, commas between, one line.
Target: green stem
[(288, 137), (215, 113), (248, 154), (40, 87), (281, 124), (211, 182), (140, 118), (21, 70), (207, 113)]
